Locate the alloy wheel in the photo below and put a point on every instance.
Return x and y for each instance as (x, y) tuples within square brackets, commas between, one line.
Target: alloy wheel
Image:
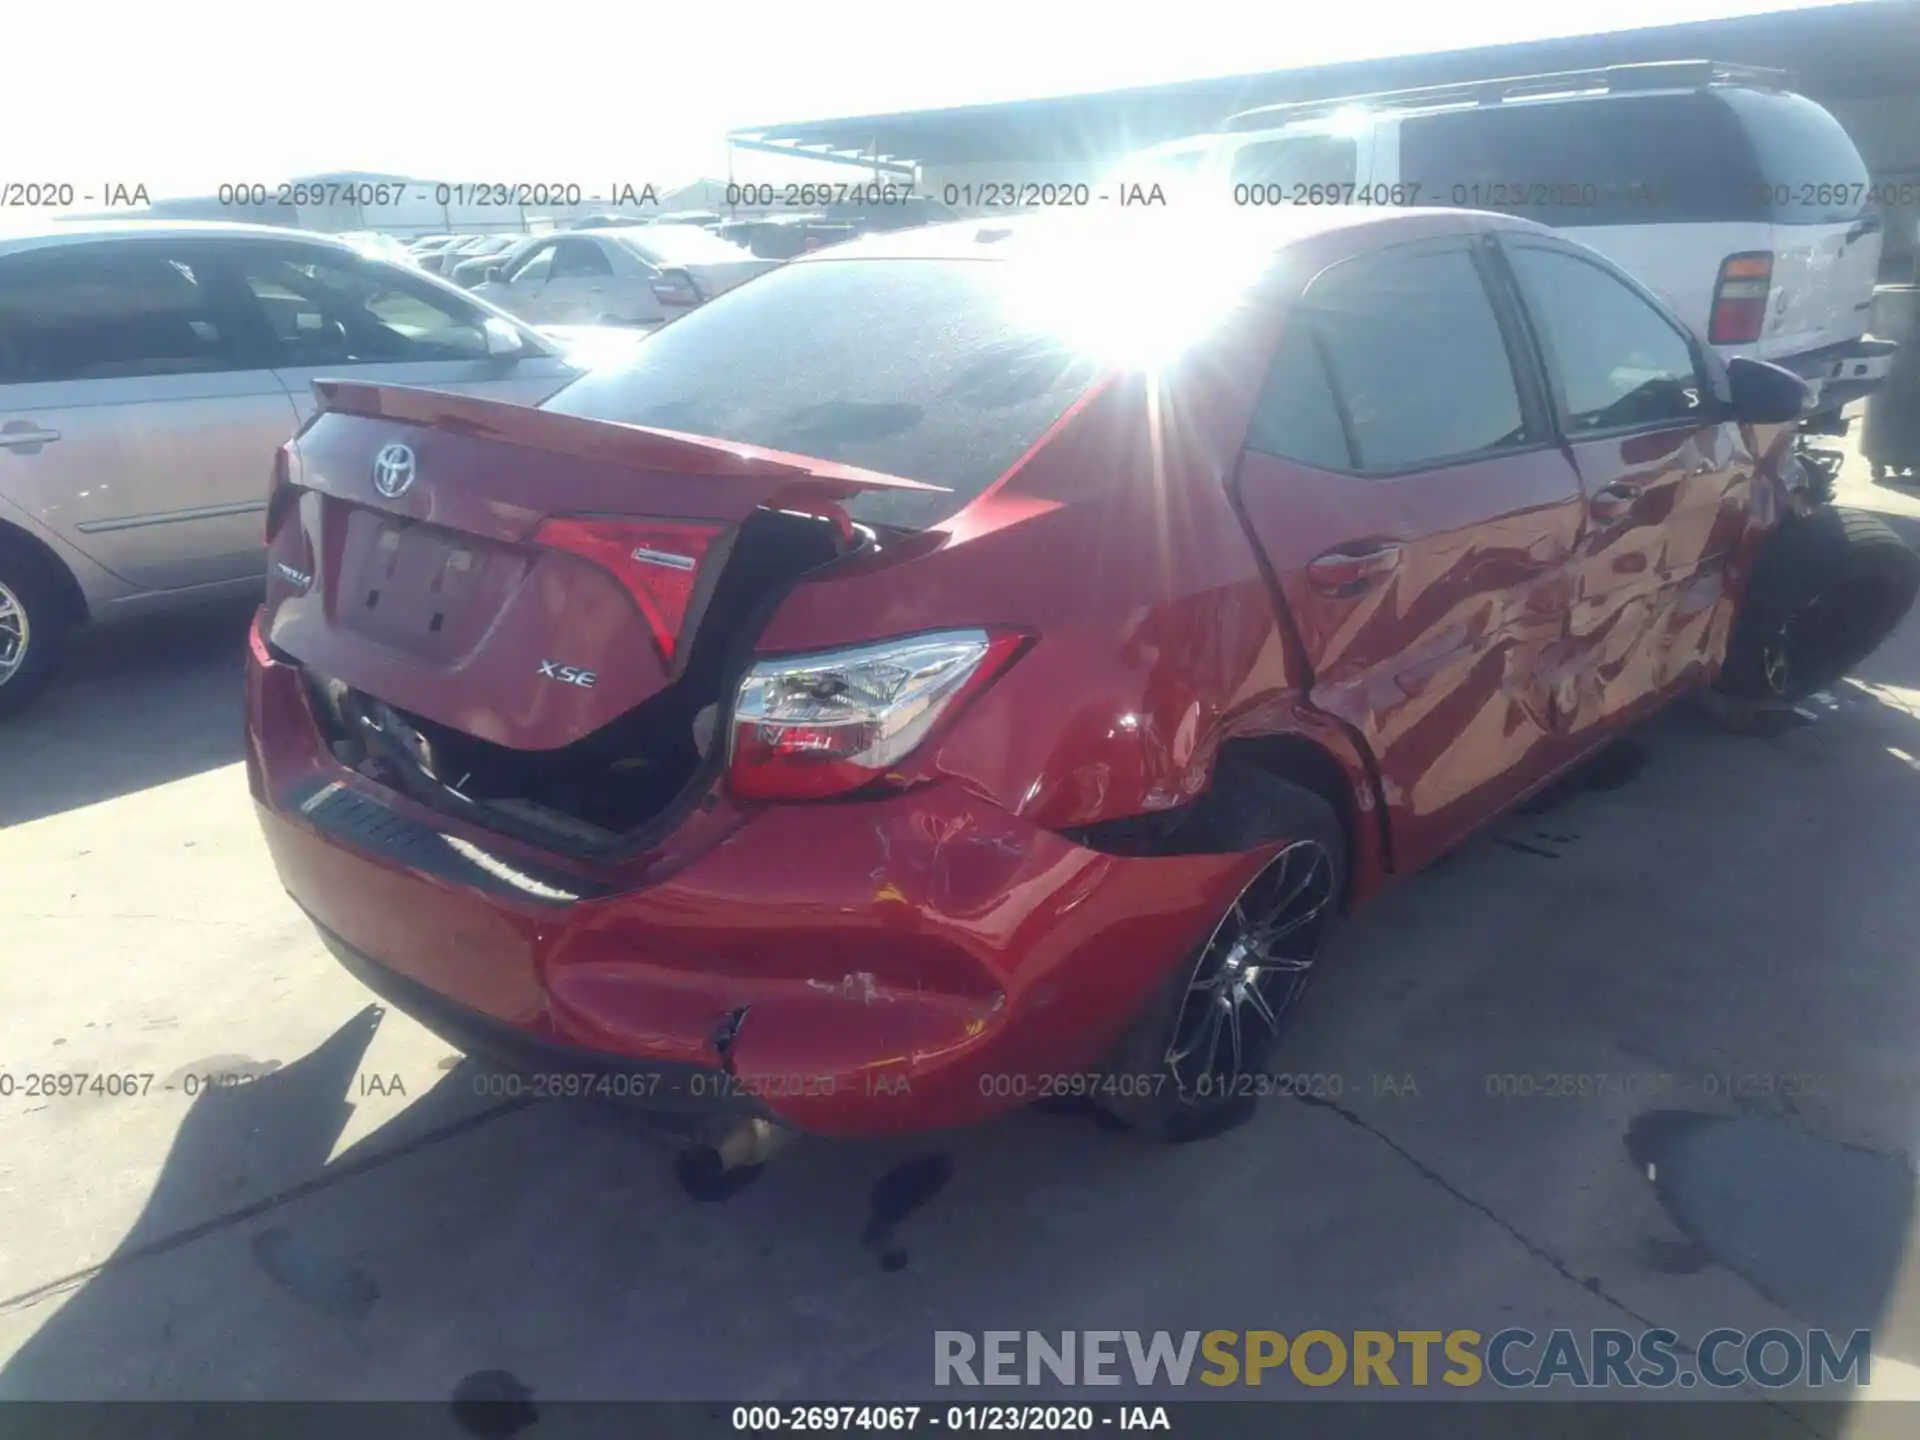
[(1251, 974), (15, 634)]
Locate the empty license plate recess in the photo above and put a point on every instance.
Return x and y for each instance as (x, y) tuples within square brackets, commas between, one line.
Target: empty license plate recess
[(422, 589)]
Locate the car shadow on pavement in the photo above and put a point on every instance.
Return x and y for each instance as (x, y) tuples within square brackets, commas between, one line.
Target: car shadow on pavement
[(137, 704)]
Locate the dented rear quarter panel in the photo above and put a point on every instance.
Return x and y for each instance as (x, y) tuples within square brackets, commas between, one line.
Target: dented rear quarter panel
[(1156, 633)]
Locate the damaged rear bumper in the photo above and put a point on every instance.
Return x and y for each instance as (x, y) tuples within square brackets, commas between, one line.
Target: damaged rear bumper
[(1845, 373), (858, 968)]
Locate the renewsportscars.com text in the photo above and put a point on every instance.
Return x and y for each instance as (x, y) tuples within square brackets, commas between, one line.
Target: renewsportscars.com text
[(1514, 1358)]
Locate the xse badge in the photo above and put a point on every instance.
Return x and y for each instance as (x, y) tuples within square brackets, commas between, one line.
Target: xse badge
[(568, 674)]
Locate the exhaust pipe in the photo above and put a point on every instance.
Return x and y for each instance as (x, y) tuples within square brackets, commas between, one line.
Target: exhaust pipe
[(751, 1142), (729, 1164)]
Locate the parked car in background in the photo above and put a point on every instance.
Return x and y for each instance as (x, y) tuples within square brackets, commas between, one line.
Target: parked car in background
[(586, 278), (148, 372), (469, 270), (628, 276), (378, 246), (827, 731), (613, 220), (704, 219), (715, 265), (781, 237), (467, 247), (1744, 205), (906, 214)]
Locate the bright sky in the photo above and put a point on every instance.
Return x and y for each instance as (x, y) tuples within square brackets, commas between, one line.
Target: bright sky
[(186, 95)]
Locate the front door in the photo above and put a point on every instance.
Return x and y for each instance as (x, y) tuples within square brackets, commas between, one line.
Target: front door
[(1666, 480), (1402, 478)]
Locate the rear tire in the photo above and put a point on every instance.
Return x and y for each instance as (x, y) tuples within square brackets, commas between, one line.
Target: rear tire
[(34, 621), (1827, 589), (1192, 1063)]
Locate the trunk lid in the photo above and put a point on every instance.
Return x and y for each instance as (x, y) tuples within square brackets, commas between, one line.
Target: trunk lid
[(449, 577)]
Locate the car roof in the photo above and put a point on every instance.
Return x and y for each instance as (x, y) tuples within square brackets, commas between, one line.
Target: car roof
[(1164, 230), (47, 235)]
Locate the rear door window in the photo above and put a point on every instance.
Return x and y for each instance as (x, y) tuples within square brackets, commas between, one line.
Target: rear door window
[(103, 311), (1297, 417), (915, 368), (1810, 171), (1618, 160), (1417, 358)]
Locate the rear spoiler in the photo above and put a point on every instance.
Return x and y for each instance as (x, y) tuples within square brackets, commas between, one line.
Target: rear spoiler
[(639, 446)]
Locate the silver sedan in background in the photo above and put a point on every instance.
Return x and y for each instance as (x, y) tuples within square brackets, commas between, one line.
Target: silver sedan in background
[(148, 373), (629, 275)]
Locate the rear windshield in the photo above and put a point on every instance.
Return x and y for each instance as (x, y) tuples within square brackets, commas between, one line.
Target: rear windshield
[(908, 367), (1810, 169), (1622, 160)]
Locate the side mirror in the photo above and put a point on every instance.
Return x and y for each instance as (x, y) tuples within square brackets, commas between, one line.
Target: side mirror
[(1766, 394), (503, 341)]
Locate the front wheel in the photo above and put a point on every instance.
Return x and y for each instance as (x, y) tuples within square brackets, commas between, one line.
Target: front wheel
[(1195, 1059), (1828, 587), (33, 628)]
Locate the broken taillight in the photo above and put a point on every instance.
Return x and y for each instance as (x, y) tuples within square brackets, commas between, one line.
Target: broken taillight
[(809, 726), (657, 561), (1740, 298)]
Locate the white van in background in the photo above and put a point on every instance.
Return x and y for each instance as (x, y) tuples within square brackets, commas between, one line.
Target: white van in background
[(1747, 207)]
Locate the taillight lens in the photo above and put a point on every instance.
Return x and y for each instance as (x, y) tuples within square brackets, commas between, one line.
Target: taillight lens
[(808, 726), (1740, 298), (657, 561)]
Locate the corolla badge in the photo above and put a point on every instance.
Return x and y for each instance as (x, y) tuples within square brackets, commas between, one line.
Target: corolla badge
[(292, 576), (393, 470)]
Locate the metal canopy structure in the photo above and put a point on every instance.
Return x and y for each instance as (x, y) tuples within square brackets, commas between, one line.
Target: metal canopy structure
[(1857, 49), (829, 153)]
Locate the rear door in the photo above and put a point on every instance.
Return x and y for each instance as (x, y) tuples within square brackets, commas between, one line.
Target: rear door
[(1403, 481), (1665, 477), (136, 420), (326, 313)]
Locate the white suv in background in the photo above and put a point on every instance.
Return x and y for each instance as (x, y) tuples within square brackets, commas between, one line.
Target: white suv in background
[(1745, 206)]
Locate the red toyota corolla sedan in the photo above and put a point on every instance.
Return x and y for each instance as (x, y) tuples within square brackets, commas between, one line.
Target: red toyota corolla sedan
[(975, 665)]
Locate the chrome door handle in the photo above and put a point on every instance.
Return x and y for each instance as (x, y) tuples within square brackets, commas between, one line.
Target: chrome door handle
[(11, 437), (1345, 574)]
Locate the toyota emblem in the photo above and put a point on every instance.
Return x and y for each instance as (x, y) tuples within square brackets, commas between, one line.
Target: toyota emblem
[(393, 470)]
